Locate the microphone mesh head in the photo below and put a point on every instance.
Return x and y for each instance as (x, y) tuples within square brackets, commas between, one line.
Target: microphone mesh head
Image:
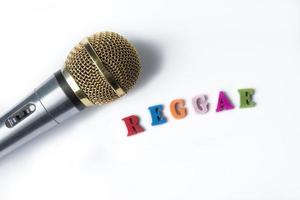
[(120, 58)]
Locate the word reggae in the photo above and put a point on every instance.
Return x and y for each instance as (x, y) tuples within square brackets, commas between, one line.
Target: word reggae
[(179, 111)]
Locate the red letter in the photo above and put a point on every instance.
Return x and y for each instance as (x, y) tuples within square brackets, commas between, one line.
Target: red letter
[(132, 124)]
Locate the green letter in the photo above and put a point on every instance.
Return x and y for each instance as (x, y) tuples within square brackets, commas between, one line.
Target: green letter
[(246, 98)]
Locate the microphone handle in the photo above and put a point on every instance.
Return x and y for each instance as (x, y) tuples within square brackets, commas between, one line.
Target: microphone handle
[(49, 105)]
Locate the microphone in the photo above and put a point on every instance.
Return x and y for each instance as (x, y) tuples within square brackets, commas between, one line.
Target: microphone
[(99, 70)]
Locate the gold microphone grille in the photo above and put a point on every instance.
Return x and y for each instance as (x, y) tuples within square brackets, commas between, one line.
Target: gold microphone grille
[(120, 59)]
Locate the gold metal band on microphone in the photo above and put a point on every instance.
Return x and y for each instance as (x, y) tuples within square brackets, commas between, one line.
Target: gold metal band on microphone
[(76, 89), (101, 66)]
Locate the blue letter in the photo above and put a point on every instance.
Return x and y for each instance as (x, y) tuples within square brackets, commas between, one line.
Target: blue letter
[(157, 115)]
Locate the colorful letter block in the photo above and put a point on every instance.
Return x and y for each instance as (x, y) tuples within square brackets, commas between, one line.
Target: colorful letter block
[(157, 115), (246, 98), (177, 109), (200, 104), (132, 124), (224, 103)]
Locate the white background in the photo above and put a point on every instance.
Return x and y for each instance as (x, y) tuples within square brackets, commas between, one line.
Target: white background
[(187, 48)]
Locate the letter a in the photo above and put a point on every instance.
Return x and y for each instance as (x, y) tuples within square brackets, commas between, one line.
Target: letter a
[(224, 103)]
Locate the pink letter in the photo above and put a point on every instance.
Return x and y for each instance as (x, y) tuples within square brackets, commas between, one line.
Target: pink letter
[(200, 104)]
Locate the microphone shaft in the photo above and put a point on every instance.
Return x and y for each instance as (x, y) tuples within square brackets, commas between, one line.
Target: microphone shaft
[(45, 108)]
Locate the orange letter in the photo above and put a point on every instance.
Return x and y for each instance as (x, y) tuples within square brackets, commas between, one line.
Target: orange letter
[(177, 108)]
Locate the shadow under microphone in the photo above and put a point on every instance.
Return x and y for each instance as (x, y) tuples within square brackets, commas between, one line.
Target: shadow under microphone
[(99, 70)]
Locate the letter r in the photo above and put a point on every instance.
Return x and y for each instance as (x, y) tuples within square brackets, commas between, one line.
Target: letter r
[(133, 125)]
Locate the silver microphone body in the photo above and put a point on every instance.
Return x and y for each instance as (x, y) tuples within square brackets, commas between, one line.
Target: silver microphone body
[(48, 106)]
